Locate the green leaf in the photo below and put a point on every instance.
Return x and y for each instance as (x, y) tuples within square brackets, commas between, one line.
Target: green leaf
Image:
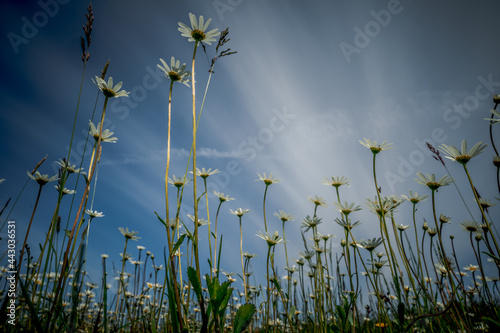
[(170, 295), (31, 307), (341, 313), (153, 323), (223, 295), (333, 329), (277, 285), (161, 220), (491, 255), (350, 319), (401, 313), (172, 304), (195, 282), (243, 317), (218, 293), (220, 255), (177, 244), (492, 323), (290, 314), (212, 285)]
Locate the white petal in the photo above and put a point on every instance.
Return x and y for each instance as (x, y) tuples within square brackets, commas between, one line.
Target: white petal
[(194, 23), (464, 147), (118, 86), (201, 24)]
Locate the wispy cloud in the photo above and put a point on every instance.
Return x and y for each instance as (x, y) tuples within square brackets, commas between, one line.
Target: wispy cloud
[(206, 152), (149, 156)]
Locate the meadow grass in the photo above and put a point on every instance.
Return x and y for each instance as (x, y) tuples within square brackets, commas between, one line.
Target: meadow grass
[(407, 278)]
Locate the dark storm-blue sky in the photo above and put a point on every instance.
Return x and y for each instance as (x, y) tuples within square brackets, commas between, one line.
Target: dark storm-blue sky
[(401, 86)]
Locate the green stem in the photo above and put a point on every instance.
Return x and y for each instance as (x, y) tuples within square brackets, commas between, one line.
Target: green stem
[(208, 218), (167, 217), (482, 210), (284, 241), (438, 228), (63, 275), (242, 265), (195, 196), (264, 208), (383, 226), (29, 227), (214, 263)]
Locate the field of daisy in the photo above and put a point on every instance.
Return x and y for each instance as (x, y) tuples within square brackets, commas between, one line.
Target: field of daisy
[(406, 278)]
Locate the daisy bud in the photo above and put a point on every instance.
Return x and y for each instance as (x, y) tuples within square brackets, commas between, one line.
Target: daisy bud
[(496, 98), (496, 161)]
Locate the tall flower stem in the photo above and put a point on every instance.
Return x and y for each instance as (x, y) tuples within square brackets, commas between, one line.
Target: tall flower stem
[(167, 218), (494, 147), (383, 225), (121, 288), (264, 207), (195, 195), (208, 217), (105, 296), (29, 227), (268, 290), (481, 209), (242, 265), (64, 173), (66, 259), (419, 253), (426, 269), (438, 228), (215, 267)]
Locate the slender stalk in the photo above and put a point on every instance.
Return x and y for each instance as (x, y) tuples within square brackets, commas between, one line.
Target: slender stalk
[(171, 255), (419, 253), (105, 296), (264, 207), (214, 263), (242, 265), (29, 227), (383, 226), (66, 259), (195, 195), (494, 147), (481, 209), (208, 216), (268, 290)]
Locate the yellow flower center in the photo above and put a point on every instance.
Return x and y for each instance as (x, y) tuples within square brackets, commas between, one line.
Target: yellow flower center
[(174, 77), (433, 185), (108, 92), (198, 35), (463, 159)]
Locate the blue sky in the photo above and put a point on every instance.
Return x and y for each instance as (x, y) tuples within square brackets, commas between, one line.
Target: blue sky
[(309, 80)]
